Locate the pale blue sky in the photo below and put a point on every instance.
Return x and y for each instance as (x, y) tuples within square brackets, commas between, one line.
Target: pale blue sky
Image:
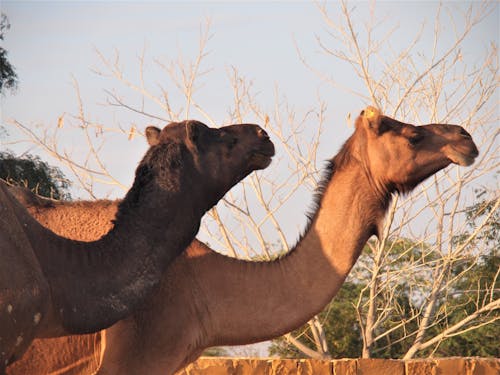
[(51, 42)]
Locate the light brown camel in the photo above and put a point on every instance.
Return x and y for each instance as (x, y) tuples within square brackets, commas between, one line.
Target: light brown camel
[(206, 299), (54, 286)]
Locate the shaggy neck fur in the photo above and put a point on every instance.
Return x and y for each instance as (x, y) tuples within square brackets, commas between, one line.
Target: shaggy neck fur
[(84, 297)]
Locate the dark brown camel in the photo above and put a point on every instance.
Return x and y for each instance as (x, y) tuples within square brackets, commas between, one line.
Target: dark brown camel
[(53, 286), (244, 302)]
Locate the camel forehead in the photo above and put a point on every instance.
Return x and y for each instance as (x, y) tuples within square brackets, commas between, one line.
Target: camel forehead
[(245, 130), (401, 127), (178, 130), (397, 127), (174, 130)]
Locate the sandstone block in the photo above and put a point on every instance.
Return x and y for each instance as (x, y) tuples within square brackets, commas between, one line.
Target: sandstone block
[(452, 366), (380, 367), (420, 367), (485, 366), (345, 367)]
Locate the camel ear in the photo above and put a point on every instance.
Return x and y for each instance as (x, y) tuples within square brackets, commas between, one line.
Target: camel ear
[(153, 135), (371, 118)]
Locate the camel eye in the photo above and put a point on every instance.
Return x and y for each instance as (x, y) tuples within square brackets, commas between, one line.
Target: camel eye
[(229, 140), (415, 139), (464, 133)]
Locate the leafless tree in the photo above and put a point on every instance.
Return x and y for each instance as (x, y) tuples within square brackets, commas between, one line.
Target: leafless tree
[(433, 85)]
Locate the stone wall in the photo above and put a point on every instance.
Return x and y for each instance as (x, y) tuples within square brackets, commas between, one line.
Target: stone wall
[(272, 366)]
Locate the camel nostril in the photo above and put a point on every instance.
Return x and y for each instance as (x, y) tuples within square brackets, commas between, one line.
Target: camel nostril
[(262, 133)]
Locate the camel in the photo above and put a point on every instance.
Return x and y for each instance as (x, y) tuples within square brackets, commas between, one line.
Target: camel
[(206, 299), (54, 286)]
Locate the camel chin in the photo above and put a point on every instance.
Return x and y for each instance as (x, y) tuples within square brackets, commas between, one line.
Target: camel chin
[(261, 160)]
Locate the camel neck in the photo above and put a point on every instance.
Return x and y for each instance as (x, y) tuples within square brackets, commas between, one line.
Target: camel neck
[(267, 299), (94, 284)]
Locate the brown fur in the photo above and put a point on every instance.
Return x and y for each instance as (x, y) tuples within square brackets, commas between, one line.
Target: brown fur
[(54, 286), (206, 299)]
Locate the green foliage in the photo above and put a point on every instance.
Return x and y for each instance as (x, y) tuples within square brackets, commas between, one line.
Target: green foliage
[(482, 341), (469, 292), (475, 286), (31, 172), (214, 352), (474, 213), (343, 329), (8, 76)]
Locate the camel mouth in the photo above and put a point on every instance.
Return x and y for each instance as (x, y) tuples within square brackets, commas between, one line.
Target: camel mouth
[(262, 157), (260, 161), (463, 159)]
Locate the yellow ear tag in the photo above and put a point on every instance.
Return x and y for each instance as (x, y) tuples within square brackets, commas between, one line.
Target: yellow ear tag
[(371, 113)]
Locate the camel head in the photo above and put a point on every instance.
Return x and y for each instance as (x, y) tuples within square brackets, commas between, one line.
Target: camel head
[(183, 154), (399, 156)]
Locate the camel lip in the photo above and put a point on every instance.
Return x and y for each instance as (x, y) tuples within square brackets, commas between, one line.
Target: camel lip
[(261, 158), (463, 159), (463, 154), (265, 153), (466, 160), (264, 163), (266, 150)]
